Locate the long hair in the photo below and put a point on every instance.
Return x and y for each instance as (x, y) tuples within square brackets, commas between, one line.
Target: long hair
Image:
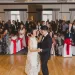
[(31, 31)]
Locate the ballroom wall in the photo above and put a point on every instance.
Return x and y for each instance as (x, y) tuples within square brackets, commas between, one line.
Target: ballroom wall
[(34, 12), (64, 11), (2, 7)]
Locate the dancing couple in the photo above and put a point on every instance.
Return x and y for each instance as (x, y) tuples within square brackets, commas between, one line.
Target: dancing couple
[(35, 53)]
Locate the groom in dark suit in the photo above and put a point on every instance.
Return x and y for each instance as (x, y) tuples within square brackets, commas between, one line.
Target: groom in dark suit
[(45, 45)]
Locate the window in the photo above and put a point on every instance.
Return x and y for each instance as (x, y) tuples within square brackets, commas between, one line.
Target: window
[(47, 15), (15, 15)]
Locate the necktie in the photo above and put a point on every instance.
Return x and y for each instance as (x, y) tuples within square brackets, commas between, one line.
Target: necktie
[(43, 38)]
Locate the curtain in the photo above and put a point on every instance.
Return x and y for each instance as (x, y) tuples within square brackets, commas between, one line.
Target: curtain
[(54, 15), (23, 16), (7, 15), (72, 15)]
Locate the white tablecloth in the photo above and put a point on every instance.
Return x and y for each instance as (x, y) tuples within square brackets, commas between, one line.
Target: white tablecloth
[(15, 46), (65, 53), (73, 50)]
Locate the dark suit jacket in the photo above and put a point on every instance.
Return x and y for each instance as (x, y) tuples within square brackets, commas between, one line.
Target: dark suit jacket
[(13, 29), (67, 35), (45, 45)]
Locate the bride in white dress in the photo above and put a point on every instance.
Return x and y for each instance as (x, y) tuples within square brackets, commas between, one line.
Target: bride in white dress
[(33, 61)]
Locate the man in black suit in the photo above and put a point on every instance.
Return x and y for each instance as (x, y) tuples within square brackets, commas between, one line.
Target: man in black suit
[(45, 45)]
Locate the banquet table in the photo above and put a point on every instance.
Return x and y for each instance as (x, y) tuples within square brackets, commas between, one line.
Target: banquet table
[(73, 50), (15, 45), (67, 50)]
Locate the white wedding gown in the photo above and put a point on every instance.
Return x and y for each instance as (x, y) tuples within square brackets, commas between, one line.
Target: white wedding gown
[(33, 61)]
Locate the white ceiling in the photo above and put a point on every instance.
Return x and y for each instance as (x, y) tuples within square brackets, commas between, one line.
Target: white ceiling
[(8, 1)]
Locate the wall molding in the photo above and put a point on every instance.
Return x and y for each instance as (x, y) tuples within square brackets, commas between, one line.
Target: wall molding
[(2, 12), (15, 9), (48, 9), (26, 3), (72, 9), (64, 12)]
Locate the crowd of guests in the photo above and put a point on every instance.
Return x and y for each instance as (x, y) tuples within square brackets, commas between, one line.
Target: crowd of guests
[(58, 30)]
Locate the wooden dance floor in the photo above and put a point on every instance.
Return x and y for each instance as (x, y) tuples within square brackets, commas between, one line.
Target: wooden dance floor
[(15, 64)]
